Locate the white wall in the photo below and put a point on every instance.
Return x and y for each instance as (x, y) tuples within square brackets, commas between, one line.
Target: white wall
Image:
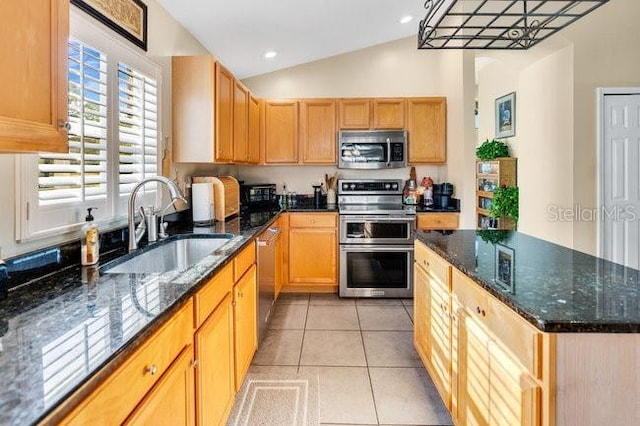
[(555, 141), (391, 69), (166, 38)]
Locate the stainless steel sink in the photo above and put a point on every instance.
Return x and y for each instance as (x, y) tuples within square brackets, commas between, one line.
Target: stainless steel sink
[(173, 255)]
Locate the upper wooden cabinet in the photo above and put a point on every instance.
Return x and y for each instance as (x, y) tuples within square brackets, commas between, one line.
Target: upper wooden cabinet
[(280, 131), (253, 141), (240, 123), (318, 131), (355, 113), (427, 128), (205, 98), (224, 108), (388, 113), (33, 75), (376, 113)]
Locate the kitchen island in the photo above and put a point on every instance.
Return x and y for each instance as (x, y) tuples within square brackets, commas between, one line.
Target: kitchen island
[(516, 330)]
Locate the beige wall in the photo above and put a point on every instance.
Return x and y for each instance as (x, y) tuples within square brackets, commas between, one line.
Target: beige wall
[(391, 69), (166, 37), (555, 142)]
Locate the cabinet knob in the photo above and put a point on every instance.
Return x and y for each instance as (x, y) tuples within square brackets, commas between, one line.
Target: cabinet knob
[(194, 363), (64, 125), (152, 369)]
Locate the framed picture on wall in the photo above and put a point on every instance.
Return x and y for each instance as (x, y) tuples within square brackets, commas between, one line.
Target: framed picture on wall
[(126, 17), (505, 264), (506, 116)]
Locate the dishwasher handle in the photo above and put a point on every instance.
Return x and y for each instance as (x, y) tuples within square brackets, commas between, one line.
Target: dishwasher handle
[(268, 237)]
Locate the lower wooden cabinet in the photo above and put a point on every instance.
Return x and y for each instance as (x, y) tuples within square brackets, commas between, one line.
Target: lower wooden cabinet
[(215, 374), (313, 252), (437, 220), (171, 401), (484, 361), (244, 320)]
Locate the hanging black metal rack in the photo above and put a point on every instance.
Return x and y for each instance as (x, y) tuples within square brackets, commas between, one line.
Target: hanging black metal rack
[(497, 24)]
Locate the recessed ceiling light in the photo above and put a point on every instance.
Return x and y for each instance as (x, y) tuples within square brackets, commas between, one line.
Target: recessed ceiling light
[(406, 19), (270, 54)]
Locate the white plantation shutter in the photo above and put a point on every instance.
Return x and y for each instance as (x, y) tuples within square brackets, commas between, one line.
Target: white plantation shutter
[(137, 127), (81, 174)]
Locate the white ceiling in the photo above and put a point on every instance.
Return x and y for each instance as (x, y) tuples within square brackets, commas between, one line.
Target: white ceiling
[(239, 32)]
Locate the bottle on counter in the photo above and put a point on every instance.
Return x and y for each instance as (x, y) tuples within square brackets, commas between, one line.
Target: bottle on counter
[(89, 241)]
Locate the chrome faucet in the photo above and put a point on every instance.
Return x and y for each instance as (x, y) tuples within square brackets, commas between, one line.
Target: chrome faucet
[(136, 234)]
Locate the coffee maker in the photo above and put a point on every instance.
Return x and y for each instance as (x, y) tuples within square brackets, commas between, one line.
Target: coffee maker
[(442, 193)]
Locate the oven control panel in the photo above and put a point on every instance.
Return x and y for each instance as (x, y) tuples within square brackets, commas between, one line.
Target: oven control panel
[(378, 186)]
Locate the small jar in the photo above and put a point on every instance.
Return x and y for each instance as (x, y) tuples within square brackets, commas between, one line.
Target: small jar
[(410, 193)]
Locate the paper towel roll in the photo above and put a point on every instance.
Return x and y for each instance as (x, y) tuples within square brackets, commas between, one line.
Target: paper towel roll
[(202, 202)]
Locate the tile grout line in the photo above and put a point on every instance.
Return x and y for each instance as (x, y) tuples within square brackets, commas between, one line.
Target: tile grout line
[(304, 332), (366, 361)]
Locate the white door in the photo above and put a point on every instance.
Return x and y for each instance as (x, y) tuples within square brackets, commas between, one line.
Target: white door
[(620, 178)]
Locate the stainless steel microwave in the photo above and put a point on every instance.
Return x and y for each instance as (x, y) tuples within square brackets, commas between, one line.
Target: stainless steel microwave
[(372, 149)]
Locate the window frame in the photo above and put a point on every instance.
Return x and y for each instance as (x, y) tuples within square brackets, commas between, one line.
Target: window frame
[(34, 221)]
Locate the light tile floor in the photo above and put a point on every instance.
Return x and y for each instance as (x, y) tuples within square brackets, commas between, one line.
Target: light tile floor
[(362, 352)]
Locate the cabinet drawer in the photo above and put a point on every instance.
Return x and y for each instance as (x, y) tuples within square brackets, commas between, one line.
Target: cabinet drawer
[(438, 221), (510, 331), (212, 294), (117, 396), (244, 260), (437, 268), (313, 220)]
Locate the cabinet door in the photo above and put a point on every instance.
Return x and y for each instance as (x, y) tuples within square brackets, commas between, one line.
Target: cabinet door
[(33, 75), (305, 268), (355, 113), (253, 150), (215, 382), (422, 313), (192, 108), (240, 123), (224, 114), (170, 402), (514, 396), (439, 328), (426, 126), (473, 372), (388, 113), (244, 318), (280, 131), (318, 131)]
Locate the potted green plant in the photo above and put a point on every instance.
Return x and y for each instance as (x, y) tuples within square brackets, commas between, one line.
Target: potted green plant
[(505, 203), (492, 149)]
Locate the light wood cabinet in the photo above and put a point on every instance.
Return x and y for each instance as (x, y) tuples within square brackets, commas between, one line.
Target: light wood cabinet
[(120, 393), (318, 131), (240, 123), (317, 230), (355, 113), (253, 150), (244, 318), (215, 378), (388, 113), (432, 309), (280, 131), (171, 401), (224, 100), (437, 221), (427, 130), (33, 75), (491, 175)]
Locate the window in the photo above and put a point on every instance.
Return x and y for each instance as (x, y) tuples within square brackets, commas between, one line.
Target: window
[(113, 140)]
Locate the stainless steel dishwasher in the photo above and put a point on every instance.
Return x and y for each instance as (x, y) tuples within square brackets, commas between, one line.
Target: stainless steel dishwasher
[(267, 268)]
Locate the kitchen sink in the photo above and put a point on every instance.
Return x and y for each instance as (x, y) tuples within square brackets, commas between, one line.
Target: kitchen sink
[(175, 255)]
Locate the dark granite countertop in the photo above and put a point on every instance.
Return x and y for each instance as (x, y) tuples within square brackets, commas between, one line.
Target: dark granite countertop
[(74, 326), (554, 288)]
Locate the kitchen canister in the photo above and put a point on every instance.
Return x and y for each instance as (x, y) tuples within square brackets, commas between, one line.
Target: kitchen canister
[(202, 203)]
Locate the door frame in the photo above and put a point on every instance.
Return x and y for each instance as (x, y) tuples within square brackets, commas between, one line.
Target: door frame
[(602, 92)]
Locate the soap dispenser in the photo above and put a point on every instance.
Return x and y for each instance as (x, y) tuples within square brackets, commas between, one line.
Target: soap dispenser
[(89, 241)]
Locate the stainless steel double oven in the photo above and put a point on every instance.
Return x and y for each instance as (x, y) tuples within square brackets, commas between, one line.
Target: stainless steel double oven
[(376, 239)]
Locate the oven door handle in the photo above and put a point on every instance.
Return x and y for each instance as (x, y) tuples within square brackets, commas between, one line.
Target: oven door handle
[(378, 218), (373, 248)]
